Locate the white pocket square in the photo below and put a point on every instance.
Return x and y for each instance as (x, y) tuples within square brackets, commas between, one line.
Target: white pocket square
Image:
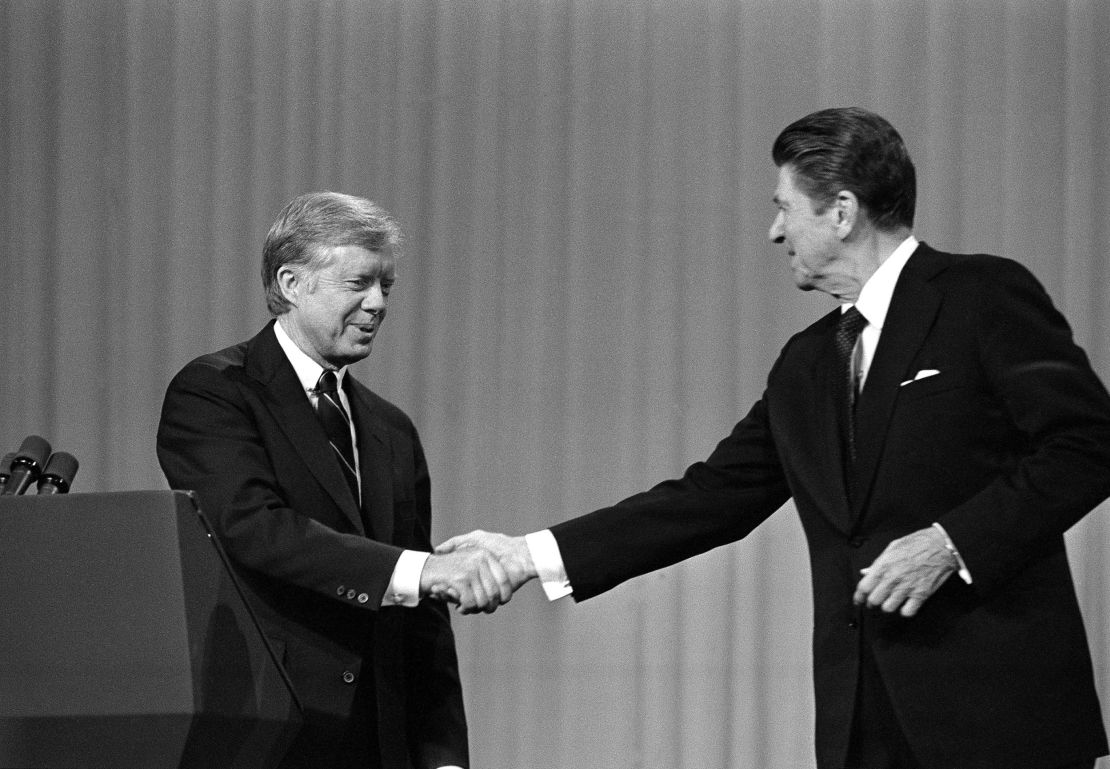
[(922, 374)]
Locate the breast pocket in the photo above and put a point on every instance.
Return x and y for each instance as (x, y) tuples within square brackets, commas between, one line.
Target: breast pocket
[(930, 387), (939, 413)]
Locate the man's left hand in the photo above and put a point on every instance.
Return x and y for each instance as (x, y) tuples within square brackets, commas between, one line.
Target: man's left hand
[(907, 573)]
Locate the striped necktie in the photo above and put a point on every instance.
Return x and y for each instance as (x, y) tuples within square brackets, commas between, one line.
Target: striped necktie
[(337, 425), (848, 328)]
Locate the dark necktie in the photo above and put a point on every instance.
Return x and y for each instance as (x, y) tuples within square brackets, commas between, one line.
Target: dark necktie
[(337, 425), (848, 329)]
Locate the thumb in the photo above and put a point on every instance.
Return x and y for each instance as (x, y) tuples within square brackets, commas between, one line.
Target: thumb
[(443, 592), (449, 546)]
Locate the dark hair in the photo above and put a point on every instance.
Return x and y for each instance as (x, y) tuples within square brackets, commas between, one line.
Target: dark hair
[(851, 149), (311, 223)]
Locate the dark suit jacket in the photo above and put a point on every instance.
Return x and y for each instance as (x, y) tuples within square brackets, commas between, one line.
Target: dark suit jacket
[(238, 429), (1007, 447)]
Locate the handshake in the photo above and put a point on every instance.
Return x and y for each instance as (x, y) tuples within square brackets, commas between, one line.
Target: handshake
[(477, 571)]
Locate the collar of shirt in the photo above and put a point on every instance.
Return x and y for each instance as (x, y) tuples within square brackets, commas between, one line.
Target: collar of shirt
[(308, 370), (874, 297), (874, 301)]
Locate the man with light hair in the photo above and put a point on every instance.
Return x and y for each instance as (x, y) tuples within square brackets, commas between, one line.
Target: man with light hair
[(319, 491)]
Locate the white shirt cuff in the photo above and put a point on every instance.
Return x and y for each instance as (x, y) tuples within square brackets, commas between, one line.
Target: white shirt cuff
[(965, 575), (404, 586), (549, 564)]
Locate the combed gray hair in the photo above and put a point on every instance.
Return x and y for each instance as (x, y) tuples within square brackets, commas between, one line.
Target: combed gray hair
[(314, 222)]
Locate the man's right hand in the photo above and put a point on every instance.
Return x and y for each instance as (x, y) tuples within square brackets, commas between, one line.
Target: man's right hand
[(473, 578), (511, 552)]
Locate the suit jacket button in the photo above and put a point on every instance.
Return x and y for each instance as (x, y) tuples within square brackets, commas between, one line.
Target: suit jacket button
[(852, 624), (348, 677), (857, 542), (341, 590), (363, 598), (350, 594)]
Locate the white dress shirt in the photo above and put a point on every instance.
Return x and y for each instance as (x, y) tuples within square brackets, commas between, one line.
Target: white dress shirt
[(873, 303)]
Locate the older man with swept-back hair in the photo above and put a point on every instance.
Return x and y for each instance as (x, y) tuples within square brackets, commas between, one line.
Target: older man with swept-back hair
[(938, 433), (319, 491)]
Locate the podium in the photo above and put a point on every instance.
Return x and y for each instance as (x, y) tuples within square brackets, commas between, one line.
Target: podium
[(126, 642)]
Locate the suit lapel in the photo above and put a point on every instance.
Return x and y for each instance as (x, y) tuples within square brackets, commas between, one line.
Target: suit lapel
[(266, 363), (815, 428), (831, 385), (375, 457), (913, 309)]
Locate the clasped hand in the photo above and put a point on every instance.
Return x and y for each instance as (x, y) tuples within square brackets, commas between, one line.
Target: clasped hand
[(906, 573), (478, 571)]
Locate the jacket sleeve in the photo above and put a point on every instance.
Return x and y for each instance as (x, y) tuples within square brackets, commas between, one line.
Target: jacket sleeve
[(715, 502), (210, 441), (1058, 405)]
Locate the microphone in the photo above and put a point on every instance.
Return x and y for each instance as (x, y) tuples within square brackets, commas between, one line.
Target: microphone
[(27, 464), (58, 473), (6, 469)]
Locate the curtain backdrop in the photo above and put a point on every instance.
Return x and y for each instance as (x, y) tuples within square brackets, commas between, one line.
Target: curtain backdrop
[(588, 301)]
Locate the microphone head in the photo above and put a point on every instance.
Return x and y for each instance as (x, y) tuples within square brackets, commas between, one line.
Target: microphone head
[(6, 466), (59, 471), (33, 453)]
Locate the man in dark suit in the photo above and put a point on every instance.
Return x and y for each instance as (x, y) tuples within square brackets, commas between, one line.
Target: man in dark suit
[(319, 490), (938, 433)]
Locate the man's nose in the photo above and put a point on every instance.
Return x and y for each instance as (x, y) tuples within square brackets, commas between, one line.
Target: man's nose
[(776, 231), (374, 299)]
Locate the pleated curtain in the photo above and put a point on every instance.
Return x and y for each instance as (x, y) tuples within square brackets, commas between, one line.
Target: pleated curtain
[(588, 300)]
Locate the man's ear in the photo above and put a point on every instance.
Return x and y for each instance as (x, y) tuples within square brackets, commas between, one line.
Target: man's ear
[(846, 209), (291, 283)]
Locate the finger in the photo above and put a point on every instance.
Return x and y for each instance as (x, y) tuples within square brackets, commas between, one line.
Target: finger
[(878, 596), (463, 587), (919, 596), (480, 596), (882, 591), (490, 585), (865, 586), (503, 584), (878, 580), (443, 592), (451, 545), (910, 607), (895, 600)]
